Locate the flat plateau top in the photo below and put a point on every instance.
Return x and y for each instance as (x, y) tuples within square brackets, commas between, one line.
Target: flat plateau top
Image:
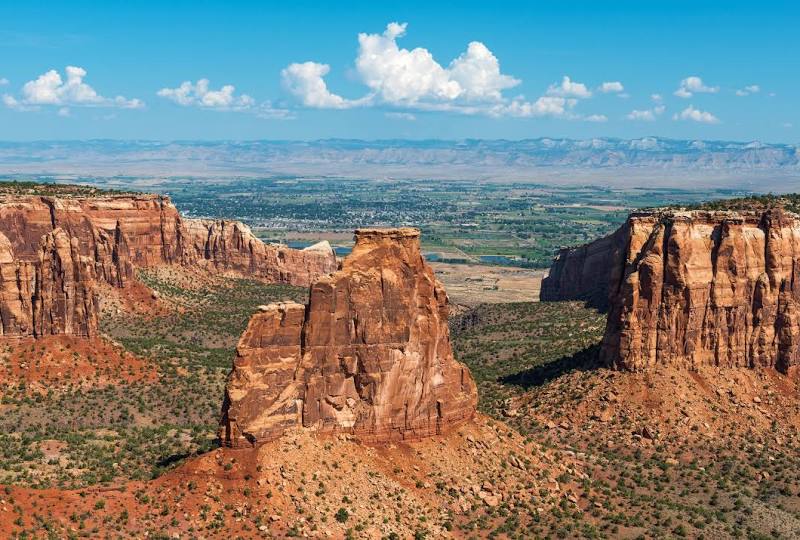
[(395, 232)]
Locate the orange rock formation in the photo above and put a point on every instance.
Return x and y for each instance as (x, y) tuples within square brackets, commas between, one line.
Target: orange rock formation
[(370, 354), (584, 272), (706, 288), (52, 250)]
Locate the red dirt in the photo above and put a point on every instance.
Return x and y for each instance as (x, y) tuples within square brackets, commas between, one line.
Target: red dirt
[(672, 401), (53, 361), (300, 481)]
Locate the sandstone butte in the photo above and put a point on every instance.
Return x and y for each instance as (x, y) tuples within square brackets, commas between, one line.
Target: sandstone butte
[(584, 272), (369, 355), (692, 288), (54, 250)]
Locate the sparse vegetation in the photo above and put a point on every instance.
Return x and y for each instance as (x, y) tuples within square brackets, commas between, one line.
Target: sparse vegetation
[(77, 436)]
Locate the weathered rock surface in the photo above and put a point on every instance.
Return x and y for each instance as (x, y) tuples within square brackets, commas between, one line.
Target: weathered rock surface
[(64, 299), (52, 249), (122, 232), (370, 354), (50, 296), (230, 246), (706, 288), (584, 272)]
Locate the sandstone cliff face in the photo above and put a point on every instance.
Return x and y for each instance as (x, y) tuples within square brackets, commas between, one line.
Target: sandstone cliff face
[(17, 283), (52, 295), (123, 232), (701, 287), (52, 249), (584, 272), (64, 301), (230, 246), (370, 354)]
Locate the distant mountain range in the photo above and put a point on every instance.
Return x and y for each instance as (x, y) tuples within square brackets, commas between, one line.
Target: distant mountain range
[(476, 159)]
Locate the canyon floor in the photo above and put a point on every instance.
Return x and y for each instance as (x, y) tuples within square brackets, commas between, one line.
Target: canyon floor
[(119, 440)]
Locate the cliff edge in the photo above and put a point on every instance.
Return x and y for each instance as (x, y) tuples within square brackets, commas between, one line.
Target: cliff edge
[(54, 249)]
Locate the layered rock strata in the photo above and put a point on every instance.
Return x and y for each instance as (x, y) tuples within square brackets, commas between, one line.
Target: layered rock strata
[(584, 272), (52, 249), (706, 287), (122, 232), (49, 296), (370, 354)]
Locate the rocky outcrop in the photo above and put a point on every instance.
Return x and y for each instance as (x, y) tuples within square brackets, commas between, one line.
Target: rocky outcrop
[(584, 272), (17, 283), (121, 232), (50, 296), (52, 250), (706, 287), (64, 301), (370, 354), (229, 246)]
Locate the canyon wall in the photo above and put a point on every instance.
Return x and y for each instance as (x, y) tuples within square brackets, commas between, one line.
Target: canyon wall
[(370, 354), (584, 272), (122, 232), (229, 246), (706, 287), (52, 250), (52, 295)]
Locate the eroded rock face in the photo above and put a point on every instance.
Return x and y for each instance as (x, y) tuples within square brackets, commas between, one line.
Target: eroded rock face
[(53, 248), (701, 287), (123, 232), (584, 272), (370, 354), (50, 296), (64, 301), (230, 246)]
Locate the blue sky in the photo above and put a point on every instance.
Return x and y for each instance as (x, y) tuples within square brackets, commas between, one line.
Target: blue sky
[(307, 70)]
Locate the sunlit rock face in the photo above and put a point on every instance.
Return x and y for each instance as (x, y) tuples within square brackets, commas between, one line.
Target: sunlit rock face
[(701, 287), (370, 354), (54, 249), (51, 295)]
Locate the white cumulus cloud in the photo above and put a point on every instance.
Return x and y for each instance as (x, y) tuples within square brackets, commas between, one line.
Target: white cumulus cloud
[(646, 115), (413, 80), (544, 106), (696, 115), (569, 88), (612, 87), (4, 81), (51, 89), (306, 82), (692, 85), (747, 90), (401, 76), (10, 102), (596, 118), (200, 95)]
